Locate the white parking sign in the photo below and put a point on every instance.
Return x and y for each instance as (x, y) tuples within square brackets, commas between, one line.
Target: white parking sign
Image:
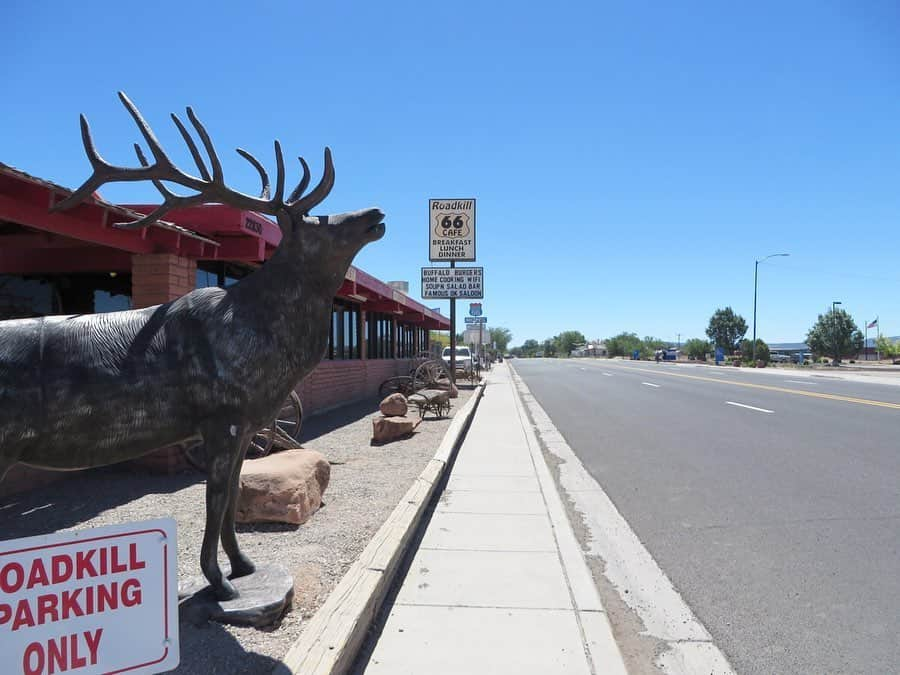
[(100, 600), (451, 230)]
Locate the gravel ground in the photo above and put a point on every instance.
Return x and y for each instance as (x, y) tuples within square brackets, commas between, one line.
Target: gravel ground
[(367, 482)]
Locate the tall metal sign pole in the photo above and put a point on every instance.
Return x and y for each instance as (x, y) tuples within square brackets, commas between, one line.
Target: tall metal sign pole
[(451, 238), (452, 334)]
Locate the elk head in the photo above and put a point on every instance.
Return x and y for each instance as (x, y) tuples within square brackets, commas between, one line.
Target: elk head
[(336, 238)]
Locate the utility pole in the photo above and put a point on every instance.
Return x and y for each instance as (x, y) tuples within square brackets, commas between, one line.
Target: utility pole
[(834, 332), (755, 276)]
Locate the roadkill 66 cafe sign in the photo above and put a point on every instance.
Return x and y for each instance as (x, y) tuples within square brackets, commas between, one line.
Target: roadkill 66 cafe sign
[(103, 600), (451, 230)]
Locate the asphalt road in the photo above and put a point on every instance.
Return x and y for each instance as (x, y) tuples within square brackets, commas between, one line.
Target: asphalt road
[(772, 502)]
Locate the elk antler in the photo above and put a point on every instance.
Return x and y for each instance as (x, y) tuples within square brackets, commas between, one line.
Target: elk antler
[(210, 187)]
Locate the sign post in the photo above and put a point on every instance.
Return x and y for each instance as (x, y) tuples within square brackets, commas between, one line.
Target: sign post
[(476, 313), (103, 599), (451, 238)]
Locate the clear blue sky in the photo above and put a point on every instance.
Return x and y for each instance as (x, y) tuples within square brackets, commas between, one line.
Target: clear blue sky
[(631, 160)]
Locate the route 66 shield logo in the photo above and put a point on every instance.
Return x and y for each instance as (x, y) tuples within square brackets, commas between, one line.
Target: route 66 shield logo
[(474, 309)]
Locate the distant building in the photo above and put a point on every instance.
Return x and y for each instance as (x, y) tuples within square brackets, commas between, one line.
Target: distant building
[(789, 348), (595, 348)]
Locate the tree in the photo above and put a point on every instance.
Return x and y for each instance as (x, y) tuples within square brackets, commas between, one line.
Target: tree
[(726, 329), (502, 337), (835, 334), (567, 341), (697, 349), (762, 350), (623, 344), (529, 347), (649, 346), (549, 347), (887, 347), (438, 338)]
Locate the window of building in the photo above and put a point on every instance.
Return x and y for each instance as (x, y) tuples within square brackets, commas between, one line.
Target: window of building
[(221, 274), (406, 337), (344, 337), (379, 335), (22, 297)]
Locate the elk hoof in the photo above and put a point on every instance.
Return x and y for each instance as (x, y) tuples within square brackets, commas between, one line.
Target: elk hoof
[(241, 567), (226, 591)]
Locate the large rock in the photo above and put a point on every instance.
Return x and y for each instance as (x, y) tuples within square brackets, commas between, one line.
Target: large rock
[(286, 487), (385, 429), (394, 406)]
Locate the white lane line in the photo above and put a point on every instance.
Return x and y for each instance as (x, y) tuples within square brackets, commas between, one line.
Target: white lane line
[(650, 384), (607, 374), (749, 407), (813, 384)]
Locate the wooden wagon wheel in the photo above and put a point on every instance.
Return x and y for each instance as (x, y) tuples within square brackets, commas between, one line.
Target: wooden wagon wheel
[(427, 375), (282, 432), (402, 384)]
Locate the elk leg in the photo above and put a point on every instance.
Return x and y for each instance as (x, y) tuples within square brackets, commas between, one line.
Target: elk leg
[(222, 452), (241, 565)]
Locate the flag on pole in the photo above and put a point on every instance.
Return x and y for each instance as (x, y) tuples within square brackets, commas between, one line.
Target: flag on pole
[(873, 324)]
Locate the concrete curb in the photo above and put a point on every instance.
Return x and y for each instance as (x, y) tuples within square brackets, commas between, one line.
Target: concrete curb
[(335, 633), (601, 646)]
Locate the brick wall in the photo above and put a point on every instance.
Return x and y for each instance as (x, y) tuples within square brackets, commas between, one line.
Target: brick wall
[(159, 277), (335, 383)]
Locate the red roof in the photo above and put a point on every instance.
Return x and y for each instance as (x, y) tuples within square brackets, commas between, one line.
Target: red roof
[(85, 239)]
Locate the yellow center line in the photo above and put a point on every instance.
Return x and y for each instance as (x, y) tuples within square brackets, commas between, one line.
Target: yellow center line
[(768, 387)]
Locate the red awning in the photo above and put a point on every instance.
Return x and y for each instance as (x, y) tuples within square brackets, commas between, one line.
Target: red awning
[(85, 239)]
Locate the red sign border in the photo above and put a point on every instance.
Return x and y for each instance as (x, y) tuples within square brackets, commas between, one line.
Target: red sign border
[(165, 580)]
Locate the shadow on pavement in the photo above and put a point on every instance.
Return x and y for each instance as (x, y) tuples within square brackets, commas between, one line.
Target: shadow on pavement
[(212, 649), (323, 423), (70, 502)]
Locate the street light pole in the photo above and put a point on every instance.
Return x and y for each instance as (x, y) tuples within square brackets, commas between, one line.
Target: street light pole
[(755, 277), (834, 331)]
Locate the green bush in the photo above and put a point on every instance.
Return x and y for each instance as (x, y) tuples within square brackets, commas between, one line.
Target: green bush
[(762, 350), (697, 349)]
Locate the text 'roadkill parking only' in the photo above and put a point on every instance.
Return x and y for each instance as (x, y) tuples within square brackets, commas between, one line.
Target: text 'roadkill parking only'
[(93, 601)]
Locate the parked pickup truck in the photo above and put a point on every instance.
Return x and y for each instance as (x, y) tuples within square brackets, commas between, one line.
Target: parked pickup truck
[(463, 358)]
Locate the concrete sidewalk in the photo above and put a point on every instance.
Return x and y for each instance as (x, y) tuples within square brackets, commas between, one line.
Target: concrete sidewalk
[(499, 583)]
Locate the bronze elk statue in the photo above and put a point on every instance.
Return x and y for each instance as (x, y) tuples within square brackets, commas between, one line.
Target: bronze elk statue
[(213, 366)]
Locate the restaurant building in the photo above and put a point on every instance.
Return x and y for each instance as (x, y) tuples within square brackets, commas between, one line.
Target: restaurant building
[(77, 261)]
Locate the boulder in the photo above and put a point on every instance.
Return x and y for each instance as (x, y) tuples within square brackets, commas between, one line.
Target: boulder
[(286, 487), (386, 429), (394, 406)]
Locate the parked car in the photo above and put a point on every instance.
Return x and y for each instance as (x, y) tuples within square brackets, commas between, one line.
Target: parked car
[(779, 358), (802, 358), (463, 357)]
